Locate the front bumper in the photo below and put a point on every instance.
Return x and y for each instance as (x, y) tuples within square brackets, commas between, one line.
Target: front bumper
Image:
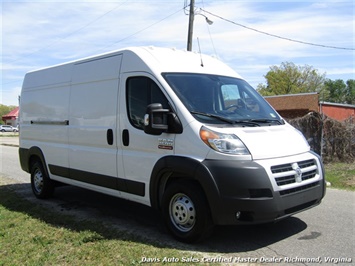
[(264, 191)]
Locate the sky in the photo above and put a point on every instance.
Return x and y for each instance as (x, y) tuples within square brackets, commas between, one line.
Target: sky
[(249, 36)]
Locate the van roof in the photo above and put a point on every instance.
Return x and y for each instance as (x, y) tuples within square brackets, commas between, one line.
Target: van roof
[(174, 60), (166, 60)]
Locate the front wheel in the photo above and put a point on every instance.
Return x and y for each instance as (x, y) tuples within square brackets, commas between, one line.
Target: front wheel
[(42, 185), (185, 212)]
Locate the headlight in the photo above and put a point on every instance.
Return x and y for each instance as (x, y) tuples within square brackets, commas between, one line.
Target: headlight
[(226, 143)]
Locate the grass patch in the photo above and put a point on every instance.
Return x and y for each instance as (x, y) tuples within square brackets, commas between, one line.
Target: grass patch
[(9, 134), (341, 175), (33, 235)]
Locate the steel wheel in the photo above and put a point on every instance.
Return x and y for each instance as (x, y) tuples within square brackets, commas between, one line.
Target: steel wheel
[(42, 185), (186, 212), (182, 212), (38, 181)]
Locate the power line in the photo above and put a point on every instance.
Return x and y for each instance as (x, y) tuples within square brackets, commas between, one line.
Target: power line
[(88, 24), (277, 36), (149, 26), (74, 32), (69, 34), (209, 33)]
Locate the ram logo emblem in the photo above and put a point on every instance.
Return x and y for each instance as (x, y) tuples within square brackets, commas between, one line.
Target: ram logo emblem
[(298, 175)]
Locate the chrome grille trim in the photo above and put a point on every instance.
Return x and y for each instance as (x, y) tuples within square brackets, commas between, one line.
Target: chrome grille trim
[(294, 173)]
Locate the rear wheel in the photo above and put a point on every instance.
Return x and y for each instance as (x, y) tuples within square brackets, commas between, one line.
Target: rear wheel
[(42, 185), (186, 212)]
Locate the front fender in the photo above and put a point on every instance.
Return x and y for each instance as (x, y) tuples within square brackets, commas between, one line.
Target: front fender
[(173, 167)]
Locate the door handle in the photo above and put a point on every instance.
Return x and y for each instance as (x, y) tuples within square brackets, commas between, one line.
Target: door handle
[(125, 137), (109, 136)]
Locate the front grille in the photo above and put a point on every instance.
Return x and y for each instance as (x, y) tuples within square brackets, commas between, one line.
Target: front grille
[(281, 168), (293, 173), (284, 180), (306, 163)]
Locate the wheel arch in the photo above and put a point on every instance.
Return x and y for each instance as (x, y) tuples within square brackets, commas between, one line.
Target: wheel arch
[(172, 168), (29, 156)]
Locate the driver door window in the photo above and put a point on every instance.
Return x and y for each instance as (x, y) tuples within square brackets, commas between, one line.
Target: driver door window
[(142, 91)]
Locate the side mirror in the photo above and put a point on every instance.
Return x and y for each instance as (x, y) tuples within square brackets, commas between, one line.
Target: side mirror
[(158, 120)]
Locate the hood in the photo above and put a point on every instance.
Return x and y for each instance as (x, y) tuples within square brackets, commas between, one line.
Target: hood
[(272, 142)]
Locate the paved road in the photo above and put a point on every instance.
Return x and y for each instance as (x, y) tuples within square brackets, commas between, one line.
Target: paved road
[(323, 233)]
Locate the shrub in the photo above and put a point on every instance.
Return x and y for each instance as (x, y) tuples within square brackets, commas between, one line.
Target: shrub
[(333, 140)]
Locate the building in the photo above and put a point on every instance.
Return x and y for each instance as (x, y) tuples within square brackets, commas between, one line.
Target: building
[(297, 105), (11, 118), (337, 111), (294, 105)]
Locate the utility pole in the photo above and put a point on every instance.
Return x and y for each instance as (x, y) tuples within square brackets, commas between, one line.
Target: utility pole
[(191, 25)]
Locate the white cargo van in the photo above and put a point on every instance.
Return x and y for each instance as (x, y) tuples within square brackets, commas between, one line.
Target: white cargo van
[(175, 130)]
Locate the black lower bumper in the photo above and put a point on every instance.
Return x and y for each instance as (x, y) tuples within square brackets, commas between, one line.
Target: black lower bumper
[(246, 194)]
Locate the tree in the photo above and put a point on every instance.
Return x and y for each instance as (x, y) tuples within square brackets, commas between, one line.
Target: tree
[(289, 79), (340, 92), (350, 91), (335, 89)]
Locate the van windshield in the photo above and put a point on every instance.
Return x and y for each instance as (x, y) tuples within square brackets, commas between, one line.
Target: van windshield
[(219, 100)]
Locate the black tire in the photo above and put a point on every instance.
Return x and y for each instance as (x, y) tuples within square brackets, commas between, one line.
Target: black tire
[(186, 212), (42, 185)]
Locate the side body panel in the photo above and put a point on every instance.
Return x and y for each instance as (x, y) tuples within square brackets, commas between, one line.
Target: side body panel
[(44, 113), (93, 143)]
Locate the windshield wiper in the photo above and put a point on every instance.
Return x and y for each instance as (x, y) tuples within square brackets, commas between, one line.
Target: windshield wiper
[(262, 120), (247, 122), (230, 121), (221, 118)]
